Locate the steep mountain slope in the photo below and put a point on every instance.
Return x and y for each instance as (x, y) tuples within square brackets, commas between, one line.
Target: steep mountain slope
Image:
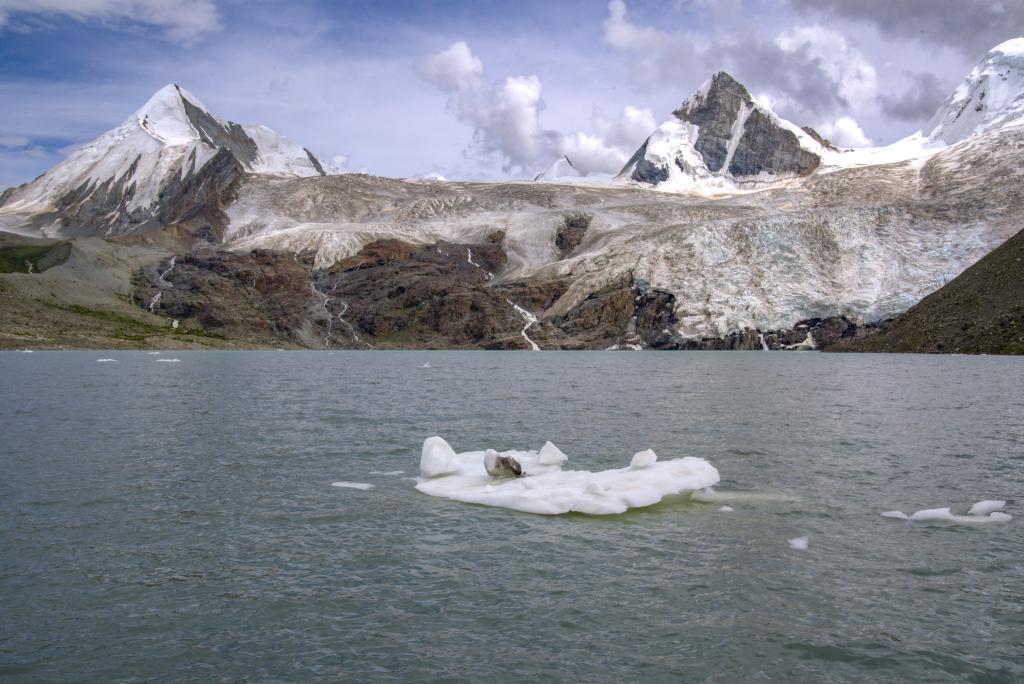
[(991, 96), (170, 161), (981, 311)]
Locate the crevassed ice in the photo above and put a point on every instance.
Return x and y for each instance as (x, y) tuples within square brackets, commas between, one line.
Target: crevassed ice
[(547, 489)]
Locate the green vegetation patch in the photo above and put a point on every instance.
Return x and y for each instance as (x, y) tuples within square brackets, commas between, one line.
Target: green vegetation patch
[(33, 258), (132, 329)]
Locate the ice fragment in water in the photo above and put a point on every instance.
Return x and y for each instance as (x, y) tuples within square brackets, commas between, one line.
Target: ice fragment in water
[(353, 485), (547, 489), (798, 543), (899, 515), (726, 509), (986, 507)]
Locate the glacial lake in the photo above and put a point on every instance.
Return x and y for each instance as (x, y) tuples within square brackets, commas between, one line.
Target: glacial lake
[(173, 521)]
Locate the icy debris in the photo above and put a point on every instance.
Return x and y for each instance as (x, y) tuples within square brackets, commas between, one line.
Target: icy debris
[(798, 543), (393, 473), (982, 512), (106, 360), (549, 454), (153, 353), (726, 509), (548, 490), (353, 485), (643, 459), (168, 360), (437, 458), (986, 507)]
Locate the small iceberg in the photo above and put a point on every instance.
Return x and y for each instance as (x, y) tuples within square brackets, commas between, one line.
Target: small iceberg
[(153, 353), (798, 543), (353, 485), (168, 360), (426, 365), (544, 488), (726, 509), (987, 511), (106, 360)]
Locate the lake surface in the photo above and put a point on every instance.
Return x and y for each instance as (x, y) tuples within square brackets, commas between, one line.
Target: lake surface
[(176, 521)]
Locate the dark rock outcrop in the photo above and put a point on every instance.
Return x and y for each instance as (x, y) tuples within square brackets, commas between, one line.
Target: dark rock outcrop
[(570, 234), (764, 146)]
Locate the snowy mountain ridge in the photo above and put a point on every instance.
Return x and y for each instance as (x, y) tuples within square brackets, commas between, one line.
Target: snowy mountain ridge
[(991, 96)]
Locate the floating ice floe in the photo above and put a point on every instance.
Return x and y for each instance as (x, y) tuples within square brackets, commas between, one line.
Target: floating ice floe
[(353, 485), (726, 509), (106, 360), (798, 543), (168, 360), (546, 489), (154, 353), (394, 473), (982, 512)]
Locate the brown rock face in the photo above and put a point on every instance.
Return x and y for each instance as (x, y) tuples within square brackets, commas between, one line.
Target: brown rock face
[(570, 234), (257, 297)]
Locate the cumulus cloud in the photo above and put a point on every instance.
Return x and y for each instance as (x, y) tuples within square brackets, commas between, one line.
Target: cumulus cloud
[(844, 132), (181, 20), (844, 65), (970, 26), (506, 118), (918, 102), (452, 70)]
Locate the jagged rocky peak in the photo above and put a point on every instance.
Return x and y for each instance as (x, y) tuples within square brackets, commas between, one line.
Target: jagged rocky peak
[(720, 135), (171, 160), (991, 96)]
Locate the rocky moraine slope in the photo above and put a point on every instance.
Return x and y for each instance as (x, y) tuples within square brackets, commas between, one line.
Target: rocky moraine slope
[(730, 228)]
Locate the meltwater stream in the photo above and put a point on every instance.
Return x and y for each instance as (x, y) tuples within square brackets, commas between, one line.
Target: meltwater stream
[(177, 521)]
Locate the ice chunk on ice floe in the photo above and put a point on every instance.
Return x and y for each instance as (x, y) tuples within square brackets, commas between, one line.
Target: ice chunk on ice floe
[(798, 543), (643, 459), (899, 515), (547, 489), (498, 465), (549, 454), (986, 507), (437, 458), (353, 485)]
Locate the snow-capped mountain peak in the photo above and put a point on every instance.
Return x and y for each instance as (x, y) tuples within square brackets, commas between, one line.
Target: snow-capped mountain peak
[(991, 96), (164, 116), (151, 167), (719, 138), (561, 168)]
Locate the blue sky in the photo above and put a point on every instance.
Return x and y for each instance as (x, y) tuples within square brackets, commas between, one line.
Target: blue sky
[(369, 84)]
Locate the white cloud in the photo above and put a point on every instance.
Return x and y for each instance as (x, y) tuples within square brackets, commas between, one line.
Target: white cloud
[(182, 20), (454, 69), (621, 34), (13, 141), (844, 132), (857, 80), (340, 162), (506, 118)]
